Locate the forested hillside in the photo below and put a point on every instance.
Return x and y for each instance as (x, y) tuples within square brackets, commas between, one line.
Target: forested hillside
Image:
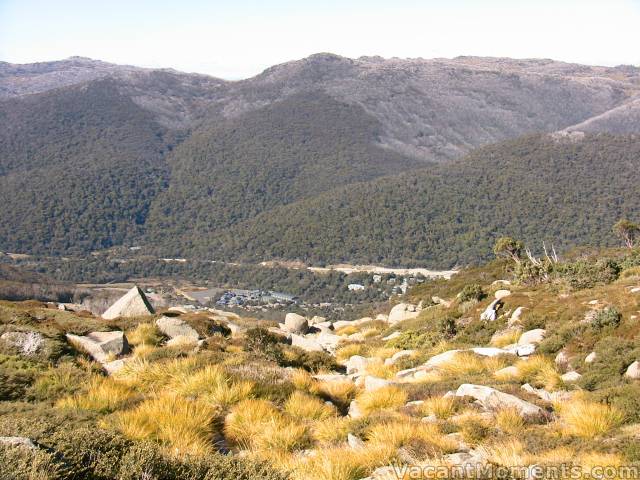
[(564, 191)]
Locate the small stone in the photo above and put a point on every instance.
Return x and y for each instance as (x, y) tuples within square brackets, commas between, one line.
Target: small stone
[(571, 377), (532, 336), (591, 357), (633, 371), (17, 442), (174, 327), (354, 442)]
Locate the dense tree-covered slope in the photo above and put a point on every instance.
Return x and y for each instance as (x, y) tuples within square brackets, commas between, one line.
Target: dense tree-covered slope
[(231, 171), (560, 190), (78, 169)]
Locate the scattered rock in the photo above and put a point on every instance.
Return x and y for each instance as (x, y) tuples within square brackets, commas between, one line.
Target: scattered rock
[(534, 336), (500, 282), (511, 371), (491, 312), (354, 442), (635, 290), (308, 344), (633, 371), (398, 355), (329, 341), (500, 294), (562, 359), (441, 301), (516, 316), (17, 442), (182, 341), (174, 327), (571, 377), (551, 397), (392, 336), (177, 309), (490, 351), (493, 400), (591, 357), (374, 383), (358, 364), (354, 410), (100, 345), (28, 343), (316, 320), (133, 304), (382, 317), (401, 312), (295, 323), (236, 330)]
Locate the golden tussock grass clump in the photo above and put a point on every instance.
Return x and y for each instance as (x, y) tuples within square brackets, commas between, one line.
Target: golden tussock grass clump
[(510, 421), (441, 407), (184, 426), (408, 432), (473, 426), (340, 392), (586, 419), (247, 420), (339, 464), (302, 405), (282, 434), (380, 370), (303, 380), (506, 453), (213, 384), (347, 330), (383, 352), (146, 376), (593, 463), (539, 371), (144, 351), (145, 334), (385, 398), (508, 337), (345, 352), (469, 363), (332, 430), (103, 396)]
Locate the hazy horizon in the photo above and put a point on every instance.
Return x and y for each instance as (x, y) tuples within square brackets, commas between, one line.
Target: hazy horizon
[(240, 39)]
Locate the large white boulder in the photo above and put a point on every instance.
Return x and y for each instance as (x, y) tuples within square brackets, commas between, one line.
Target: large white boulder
[(398, 355), (295, 323), (401, 312), (494, 400), (516, 316), (374, 383), (133, 304), (534, 336), (174, 327), (633, 371), (101, 345), (500, 294), (359, 364), (309, 344), (491, 312)]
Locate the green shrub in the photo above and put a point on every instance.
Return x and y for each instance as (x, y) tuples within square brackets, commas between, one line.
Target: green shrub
[(310, 361), (613, 356), (609, 317), (588, 273), (261, 341), (21, 463), (16, 376), (413, 339), (625, 397), (471, 292)]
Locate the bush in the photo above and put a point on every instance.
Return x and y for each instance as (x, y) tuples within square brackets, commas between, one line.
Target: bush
[(261, 341), (609, 317), (588, 273), (16, 376), (471, 292), (21, 463), (613, 356)]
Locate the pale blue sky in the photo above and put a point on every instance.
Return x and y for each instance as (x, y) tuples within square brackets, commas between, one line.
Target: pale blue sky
[(237, 39)]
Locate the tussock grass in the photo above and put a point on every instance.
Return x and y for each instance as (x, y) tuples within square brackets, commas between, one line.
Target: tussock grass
[(383, 352), (510, 421), (102, 396), (588, 461), (586, 419), (247, 420), (145, 334), (345, 352), (184, 426), (144, 350), (407, 432), (441, 407), (539, 371), (338, 464), (469, 364), (347, 330), (213, 384), (282, 434), (508, 337), (506, 453), (302, 405), (332, 430), (340, 392), (380, 370), (146, 376), (386, 398), (303, 380)]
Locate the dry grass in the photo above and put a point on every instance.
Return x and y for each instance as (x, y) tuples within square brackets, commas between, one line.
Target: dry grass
[(345, 352), (589, 462), (143, 351), (386, 398), (347, 330), (145, 334), (510, 421), (283, 435), (508, 337), (247, 420), (302, 405), (506, 453), (146, 376), (184, 426), (468, 363), (539, 371), (407, 432), (338, 464), (380, 370), (441, 407), (340, 392), (332, 430), (383, 352), (586, 419), (102, 395), (303, 380), (213, 384)]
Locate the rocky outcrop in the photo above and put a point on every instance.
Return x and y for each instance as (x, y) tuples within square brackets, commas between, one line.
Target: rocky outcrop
[(133, 304), (500, 294), (103, 347), (494, 400), (17, 442), (401, 312), (308, 344), (398, 355), (516, 316), (359, 364), (491, 312), (534, 336), (633, 371), (294, 323), (174, 327)]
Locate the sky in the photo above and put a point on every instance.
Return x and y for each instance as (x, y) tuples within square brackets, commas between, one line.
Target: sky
[(240, 38)]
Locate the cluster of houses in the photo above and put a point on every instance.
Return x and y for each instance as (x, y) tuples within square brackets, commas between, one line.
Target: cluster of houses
[(239, 297), (399, 285)]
